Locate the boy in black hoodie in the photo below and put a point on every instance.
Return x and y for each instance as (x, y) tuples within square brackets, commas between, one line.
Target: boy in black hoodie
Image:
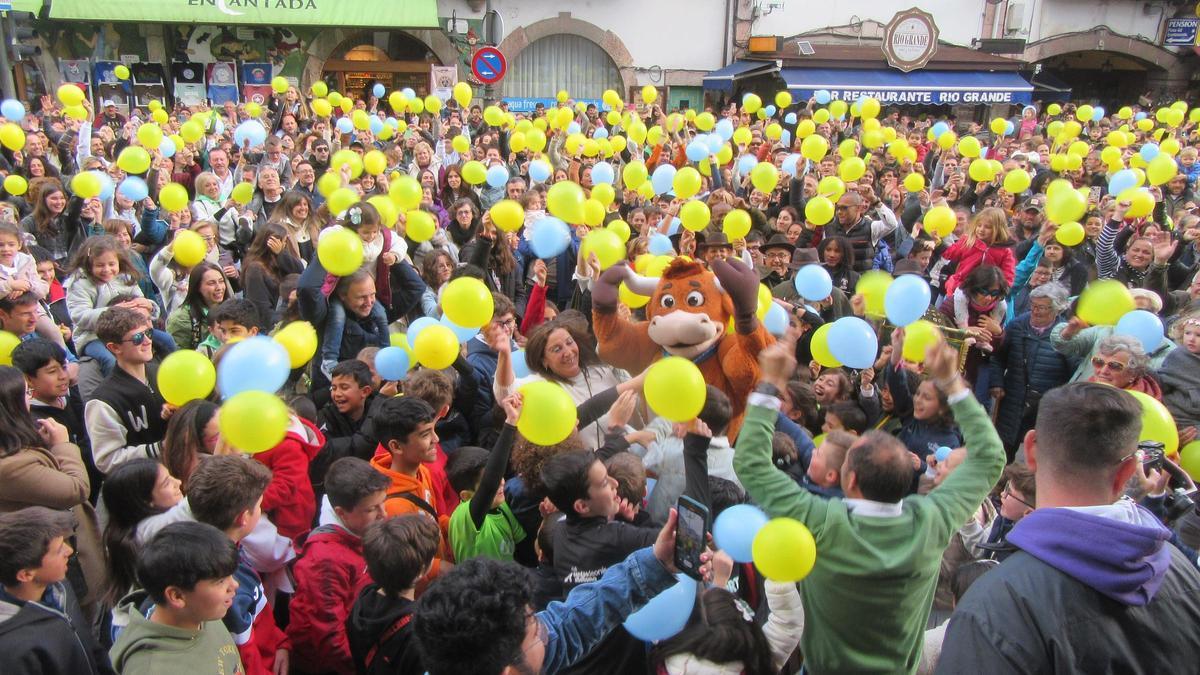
[(399, 552), (345, 420)]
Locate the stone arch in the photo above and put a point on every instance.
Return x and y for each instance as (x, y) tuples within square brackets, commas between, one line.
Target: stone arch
[(564, 23), (327, 41), (1103, 39)]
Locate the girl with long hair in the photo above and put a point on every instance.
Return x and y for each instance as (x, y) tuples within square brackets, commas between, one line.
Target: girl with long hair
[(133, 491), (267, 262), (207, 287)]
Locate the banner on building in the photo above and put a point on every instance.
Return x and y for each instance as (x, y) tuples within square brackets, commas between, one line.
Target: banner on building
[(256, 82), (108, 87), (442, 80), (222, 83), (188, 80)]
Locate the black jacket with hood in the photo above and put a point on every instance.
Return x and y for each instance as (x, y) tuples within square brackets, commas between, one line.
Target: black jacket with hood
[(377, 616), (51, 636)]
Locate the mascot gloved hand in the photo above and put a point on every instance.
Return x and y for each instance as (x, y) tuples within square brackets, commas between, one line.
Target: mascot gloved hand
[(688, 314)]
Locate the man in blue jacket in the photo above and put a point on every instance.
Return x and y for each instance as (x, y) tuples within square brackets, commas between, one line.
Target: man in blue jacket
[(1095, 586)]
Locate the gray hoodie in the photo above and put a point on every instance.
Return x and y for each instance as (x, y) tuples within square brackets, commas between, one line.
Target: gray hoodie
[(143, 646)]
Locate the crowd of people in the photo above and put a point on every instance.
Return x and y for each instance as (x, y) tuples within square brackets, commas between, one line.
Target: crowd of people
[(989, 500)]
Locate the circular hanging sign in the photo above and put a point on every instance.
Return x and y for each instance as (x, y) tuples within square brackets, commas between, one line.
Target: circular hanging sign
[(910, 39)]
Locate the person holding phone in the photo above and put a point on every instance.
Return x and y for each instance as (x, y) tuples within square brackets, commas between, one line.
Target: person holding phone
[(867, 600)]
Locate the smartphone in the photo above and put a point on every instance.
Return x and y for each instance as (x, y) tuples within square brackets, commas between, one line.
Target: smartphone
[(1094, 194), (689, 535)]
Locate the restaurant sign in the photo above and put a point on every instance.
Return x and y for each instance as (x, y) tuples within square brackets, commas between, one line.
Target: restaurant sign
[(910, 39)]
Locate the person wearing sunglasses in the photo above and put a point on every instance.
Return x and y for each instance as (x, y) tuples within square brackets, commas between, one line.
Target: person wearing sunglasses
[(1121, 362), (978, 306)]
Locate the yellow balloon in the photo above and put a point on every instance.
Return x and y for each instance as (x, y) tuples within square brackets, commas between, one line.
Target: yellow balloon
[(547, 413), (15, 185), (86, 184), (70, 94), (565, 200), (1161, 169), (814, 148), (342, 199), (783, 99), (736, 224), (467, 302), (848, 148), (838, 108), (819, 210), (1169, 146), (188, 248), (593, 212), (1104, 302), (695, 215), (705, 121), (1157, 423), (173, 197), (405, 191), (160, 117), (1054, 109), (980, 171), (436, 347), (852, 169), (784, 550), (388, 213), (914, 182), (253, 421), (631, 299), (326, 184), (150, 136), (675, 390), (1069, 234), (621, 229), (764, 176), (462, 94), (873, 285), (348, 158), (508, 215), (831, 187), (375, 162), (1065, 206), (649, 94), (968, 146), (12, 136), (1140, 200), (279, 85), (134, 160), (604, 193), (919, 336), (820, 347), (804, 129), (474, 172), (186, 375), (299, 338), (605, 244), (947, 140), (1017, 181), (821, 116), (340, 251), (420, 225)]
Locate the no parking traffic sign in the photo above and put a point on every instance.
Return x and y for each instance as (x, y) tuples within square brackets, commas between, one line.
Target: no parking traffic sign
[(489, 65)]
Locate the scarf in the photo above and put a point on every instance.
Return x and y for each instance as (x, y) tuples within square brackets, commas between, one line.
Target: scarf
[(962, 310)]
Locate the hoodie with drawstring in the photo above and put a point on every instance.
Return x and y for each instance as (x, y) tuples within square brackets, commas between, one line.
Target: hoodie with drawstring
[(145, 647), (1090, 590)]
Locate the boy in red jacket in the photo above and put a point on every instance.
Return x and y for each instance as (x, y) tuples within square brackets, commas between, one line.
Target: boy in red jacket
[(331, 571), (289, 501)]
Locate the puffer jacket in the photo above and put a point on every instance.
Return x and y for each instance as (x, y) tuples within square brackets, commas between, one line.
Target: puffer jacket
[(1028, 365)]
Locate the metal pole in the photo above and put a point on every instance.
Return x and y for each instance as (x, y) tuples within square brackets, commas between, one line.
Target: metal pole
[(6, 76)]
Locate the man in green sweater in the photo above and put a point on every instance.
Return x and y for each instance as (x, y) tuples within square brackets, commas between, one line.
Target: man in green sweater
[(868, 597)]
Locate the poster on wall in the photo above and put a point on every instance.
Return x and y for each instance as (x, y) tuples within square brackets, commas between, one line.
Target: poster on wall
[(442, 80), (188, 83), (256, 82), (77, 71), (148, 83), (108, 87), (222, 83)]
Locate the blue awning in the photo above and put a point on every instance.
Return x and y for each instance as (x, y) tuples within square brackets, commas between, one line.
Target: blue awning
[(920, 87), (1048, 88), (723, 79)]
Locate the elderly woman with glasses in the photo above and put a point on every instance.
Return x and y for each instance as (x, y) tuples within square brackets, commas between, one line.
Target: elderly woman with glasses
[(1121, 362), (1026, 365)]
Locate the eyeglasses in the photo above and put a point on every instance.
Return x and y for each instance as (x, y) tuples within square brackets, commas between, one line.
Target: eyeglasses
[(139, 338), (989, 292), (1009, 493), (844, 207), (507, 323), (1099, 363)]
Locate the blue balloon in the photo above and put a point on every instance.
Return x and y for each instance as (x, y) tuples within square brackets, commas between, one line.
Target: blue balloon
[(603, 172), (673, 226), (724, 129), (1149, 151), (823, 96), (167, 147), (1122, 181), (497, 176), (539, 170), (1139, 117), (853, 342), (785, 138), (392, 122), (12, 109), (714, 142), (254, 364), (415, 328), (573, 128), (600, 133), (252, 131), (1097, 114), (392, 363), (344, 125), (1009, 128), (549, 238), (790, 118), (107, 186), (697, 150), (1143, 325), (745, 163), (463, 334), (407, 92), (906, 300), (942, 453), (520, 365), (770, 110), (376, 125), (776, 320), (734, 530), (660, 244), (791, 164), (378, 90), (666, 614), (940, 128), (663, 178), (134, 189), (813, 283)]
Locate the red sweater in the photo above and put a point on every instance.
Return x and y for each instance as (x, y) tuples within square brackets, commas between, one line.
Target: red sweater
[(289, 500), (330, 573)]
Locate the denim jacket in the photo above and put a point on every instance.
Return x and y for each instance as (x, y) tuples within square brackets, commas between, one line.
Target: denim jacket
[(591, 611)]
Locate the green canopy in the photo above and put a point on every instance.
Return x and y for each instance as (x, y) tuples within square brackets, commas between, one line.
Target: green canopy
[(34, 6), (332, 13)]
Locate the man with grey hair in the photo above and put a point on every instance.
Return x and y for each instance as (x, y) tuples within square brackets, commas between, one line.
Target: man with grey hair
[(1094, 585), (1026, 365)]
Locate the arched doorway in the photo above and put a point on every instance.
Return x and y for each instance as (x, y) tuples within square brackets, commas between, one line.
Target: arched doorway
[(1108, 76), (562, 61), (393, 58)]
